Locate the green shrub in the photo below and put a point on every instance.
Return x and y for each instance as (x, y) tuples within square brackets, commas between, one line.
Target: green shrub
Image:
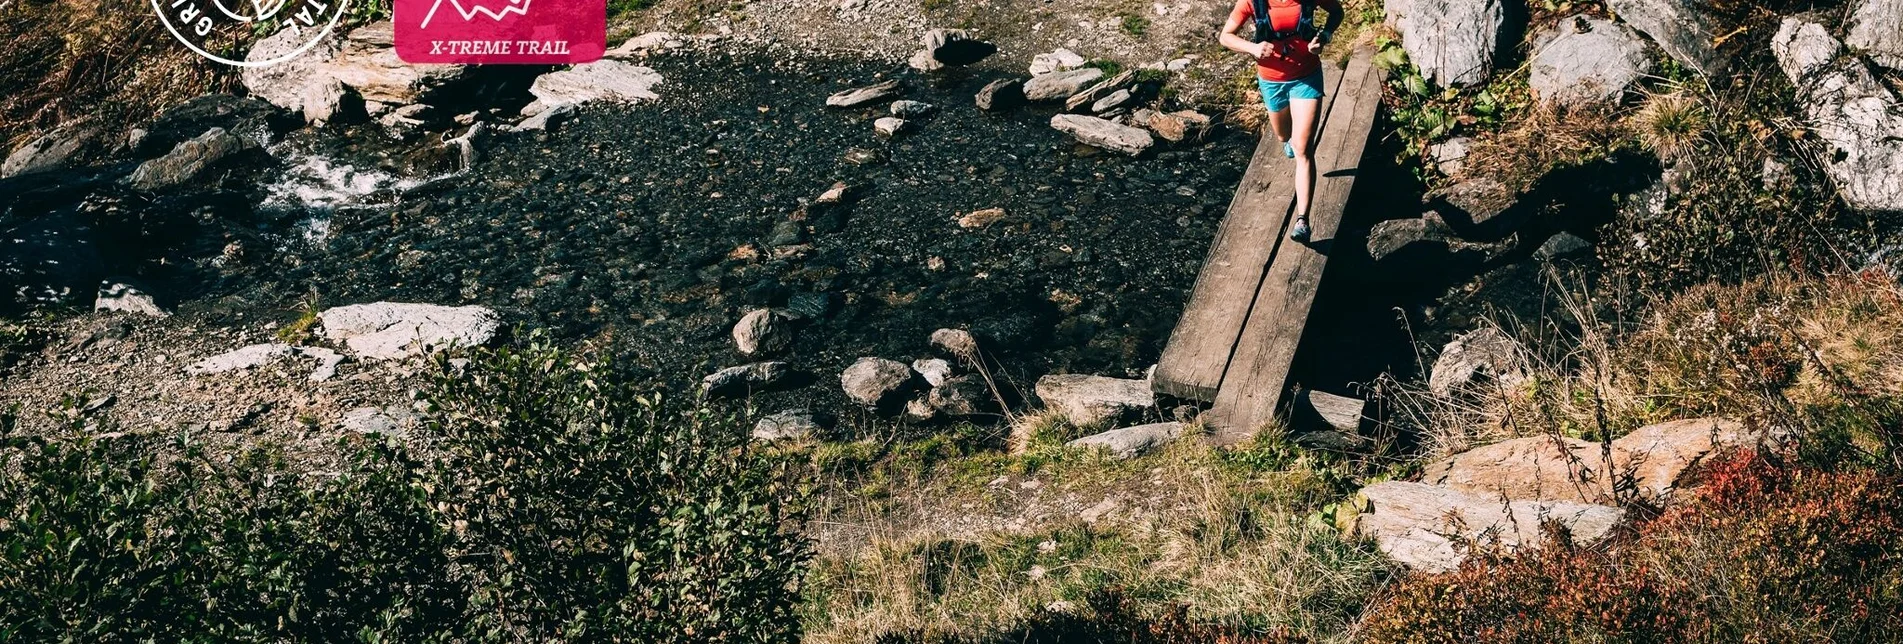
[(553, 502)]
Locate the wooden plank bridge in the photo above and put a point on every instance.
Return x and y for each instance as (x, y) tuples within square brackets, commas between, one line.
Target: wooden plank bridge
[(1237, 338)]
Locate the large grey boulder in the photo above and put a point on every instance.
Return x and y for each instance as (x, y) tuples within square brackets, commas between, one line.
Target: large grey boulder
[(59, 149), (1476, 355), (368, 64), (1452, 42), (1534, 468), (1678, 26), (1433, 529), (876, 382), (1131, 442), (1854, 115), (393, 330), (1587, 60), (763, 331), (302, 84), (189, 160), (1057, 86), (603, 80), (1104, 133), (1876, 28), (1090, 400)]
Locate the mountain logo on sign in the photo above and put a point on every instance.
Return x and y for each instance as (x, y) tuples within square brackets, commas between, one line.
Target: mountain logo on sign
[(517, 7)]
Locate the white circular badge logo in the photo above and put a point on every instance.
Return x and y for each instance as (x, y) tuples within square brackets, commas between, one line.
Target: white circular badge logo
[(198, 22)]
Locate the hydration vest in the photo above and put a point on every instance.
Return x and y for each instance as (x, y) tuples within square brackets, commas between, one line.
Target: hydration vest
[(1265, 30)]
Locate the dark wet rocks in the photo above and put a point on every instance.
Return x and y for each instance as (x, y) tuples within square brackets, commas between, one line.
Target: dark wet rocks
[(740, 381), (1131, 442), (1104, 133), (1402, 245), (256, 121), (1090, 400), (791, 425), (763, 331), (865, 95), (1001, 94), (877, 382), (394, 330), (1057, 86), (190, 160), (64, 147), (953, 47), (1584, 61)]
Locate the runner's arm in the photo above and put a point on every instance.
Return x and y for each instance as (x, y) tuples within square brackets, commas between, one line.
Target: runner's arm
[(1231, 38)]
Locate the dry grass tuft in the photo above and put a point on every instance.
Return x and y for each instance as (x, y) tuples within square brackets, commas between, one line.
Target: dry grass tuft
[(1036, 426), (1672, 125), (1523, 151)]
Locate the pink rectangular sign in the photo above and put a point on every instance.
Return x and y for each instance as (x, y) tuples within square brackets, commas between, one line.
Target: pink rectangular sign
[(501, 32)]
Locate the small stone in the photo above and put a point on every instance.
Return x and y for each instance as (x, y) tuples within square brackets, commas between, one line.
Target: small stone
[(957, 342), (920, 410), (962, 396), (1004, 93), (935, 370), (1177, 126), (912, 109), (980, 218), (1131, 442), (125, 298), (862, 95), (763, 331), (1561, 245), (1113, 101), (789, 425), (1104, 134), (875, 382), (835, 194), (889, 126), (1483, 353), (1450, 156), (1090, 400), (1056, 61), (745, 379)]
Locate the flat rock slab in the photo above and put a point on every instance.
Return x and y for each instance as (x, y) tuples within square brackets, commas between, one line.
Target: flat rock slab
[(602, 80), (1103, 133), (744, 379), (1433, 529), (1533, 468), (1090, 400), (1131, 442), (250, 357), (1057, 86), (863, 95), (789, 425), (1655, 458), (393, 330)]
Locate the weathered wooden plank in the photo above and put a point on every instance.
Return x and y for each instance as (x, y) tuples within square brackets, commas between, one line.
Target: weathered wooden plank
[(1257, 379), (1205, 337)]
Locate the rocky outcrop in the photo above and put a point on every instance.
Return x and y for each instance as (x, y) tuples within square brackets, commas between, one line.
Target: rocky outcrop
[(303, 83), (603, 80), (1057, 86), (864, 95), (1551, 468), (126, 298), (1653, 460), (1586, 61), (1103, 133), (1853, 114), (876, 382), (62, 148), (955, 47), (1876, 28), (1090, 400), (1131, 442), (1432, 529), (1678, 26), (763, 331), (367, 63), (393, 330), (1485, 353), (1055, 61), (190, 160), (1452, 43), (745, 379)]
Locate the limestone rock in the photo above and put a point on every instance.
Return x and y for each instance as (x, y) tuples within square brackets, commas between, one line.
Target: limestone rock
[(1482, 353), (763, 331), (1876, 28), (1654, 458), (368, 64), (1561, 245), (1586, 61), (1534, 468), (547, 119), (393, 330), (1090, 400), (302, 84), (602, 80), (1131, 442), (1056, 61), (394, 421), (1113, 101), (1004, 93), (1482, 202), (1420, 235), (1431, 528), (863, 95), (1100, 90), (643, 45), (126, 298), (1178, 126), (60, 149), (1104, 133), (911, 109), (189, 160), (1453, 43), (745, 379), (1678, 26), (935, 370), (957, 342), (1057, 86), (889, 126), (1854, 115), (789, 425), (876, 382), (250, 357), (1450, 156)]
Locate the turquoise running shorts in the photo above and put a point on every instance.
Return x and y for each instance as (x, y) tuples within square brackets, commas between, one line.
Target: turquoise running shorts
[(1276, 95)]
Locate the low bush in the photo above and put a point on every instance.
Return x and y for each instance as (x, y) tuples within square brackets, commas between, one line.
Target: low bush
[(549, 502), (1769, 551)]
